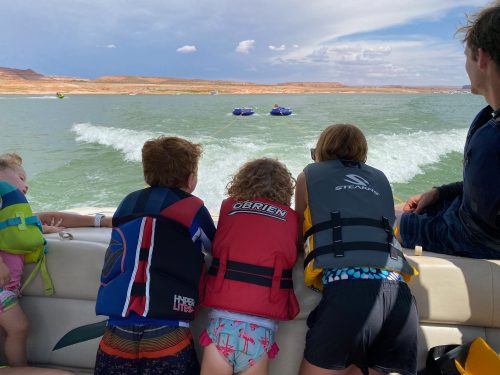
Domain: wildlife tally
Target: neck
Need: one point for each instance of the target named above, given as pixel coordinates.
(492, 94)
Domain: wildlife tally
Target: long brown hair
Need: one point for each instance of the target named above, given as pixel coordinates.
(341, 141)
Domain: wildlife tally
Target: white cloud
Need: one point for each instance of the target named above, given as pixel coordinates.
(414, 61)
(245, 46)
(186, 49)
(310, 34)
(280, 48)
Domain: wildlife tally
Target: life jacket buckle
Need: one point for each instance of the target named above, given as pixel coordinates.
(337, 241)
(18, 221)
(392, 251)
(337, 249)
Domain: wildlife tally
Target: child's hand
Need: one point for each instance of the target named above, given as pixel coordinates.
(4, 274)
(53, 226)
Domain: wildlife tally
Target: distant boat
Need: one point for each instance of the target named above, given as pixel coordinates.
(60, 95)
(214, 92)
(243, 111)
(132, 94)
(280, 111)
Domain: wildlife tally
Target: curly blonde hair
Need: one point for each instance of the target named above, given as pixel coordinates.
(168, 161)
(341, 141)
(10, 160)
(264, 178)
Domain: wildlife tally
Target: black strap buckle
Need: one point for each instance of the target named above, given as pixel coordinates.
(336, 234)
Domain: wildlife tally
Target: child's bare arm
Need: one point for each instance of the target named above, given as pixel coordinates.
(57, 221)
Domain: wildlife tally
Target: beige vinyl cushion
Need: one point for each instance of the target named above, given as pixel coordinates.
(458, 299)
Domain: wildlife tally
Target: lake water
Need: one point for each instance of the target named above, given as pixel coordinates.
(85, 150)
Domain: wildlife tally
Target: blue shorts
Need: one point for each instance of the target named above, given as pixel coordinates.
(440, 230)
(242, 344)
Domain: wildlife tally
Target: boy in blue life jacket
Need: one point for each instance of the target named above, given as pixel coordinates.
(154, 265)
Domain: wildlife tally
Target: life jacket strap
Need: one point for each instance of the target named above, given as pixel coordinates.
(352, 246)
(251, 273)
(336, 223)
(41, 265)
(390, 237)
(20, 221)
(351, 221)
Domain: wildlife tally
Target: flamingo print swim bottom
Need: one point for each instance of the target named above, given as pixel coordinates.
(242, 344)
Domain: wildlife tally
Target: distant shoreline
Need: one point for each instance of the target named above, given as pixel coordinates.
(104, 89)
(28, 82)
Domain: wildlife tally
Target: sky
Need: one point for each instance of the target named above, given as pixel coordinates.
(356, 42)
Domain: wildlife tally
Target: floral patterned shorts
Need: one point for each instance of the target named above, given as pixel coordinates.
(242, 344)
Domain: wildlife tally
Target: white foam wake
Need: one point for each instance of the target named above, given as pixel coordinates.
(44, 97)
(128, 142)
(402, 157)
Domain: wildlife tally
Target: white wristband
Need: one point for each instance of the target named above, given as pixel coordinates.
(97, 220)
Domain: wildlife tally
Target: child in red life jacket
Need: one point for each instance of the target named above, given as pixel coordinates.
(249, 285)
(153, 267)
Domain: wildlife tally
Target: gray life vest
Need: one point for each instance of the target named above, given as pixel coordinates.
(352, 212)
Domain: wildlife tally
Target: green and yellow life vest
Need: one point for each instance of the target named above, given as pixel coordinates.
(21, 233)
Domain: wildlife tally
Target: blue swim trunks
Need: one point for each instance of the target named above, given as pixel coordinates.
(440, 230)
(241, 343)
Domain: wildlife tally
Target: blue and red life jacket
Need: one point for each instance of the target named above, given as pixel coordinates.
(152, 267)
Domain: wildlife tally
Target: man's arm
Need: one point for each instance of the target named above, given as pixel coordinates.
(418, 203)
(450, 191)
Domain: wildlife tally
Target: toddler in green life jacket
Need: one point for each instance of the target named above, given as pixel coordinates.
(20, 245)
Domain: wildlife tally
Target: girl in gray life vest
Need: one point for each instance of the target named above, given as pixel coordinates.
(366, 322)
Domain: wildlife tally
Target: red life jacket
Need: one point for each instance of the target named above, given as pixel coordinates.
(254, 252)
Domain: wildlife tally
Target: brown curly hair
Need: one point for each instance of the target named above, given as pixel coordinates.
(168, 161)
(10, 160)
(264, 178)
(483, 31)
(341, 141)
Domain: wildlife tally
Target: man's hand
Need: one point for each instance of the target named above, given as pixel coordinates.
(418, 203)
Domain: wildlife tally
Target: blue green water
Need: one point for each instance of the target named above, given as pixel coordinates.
(85, 150)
